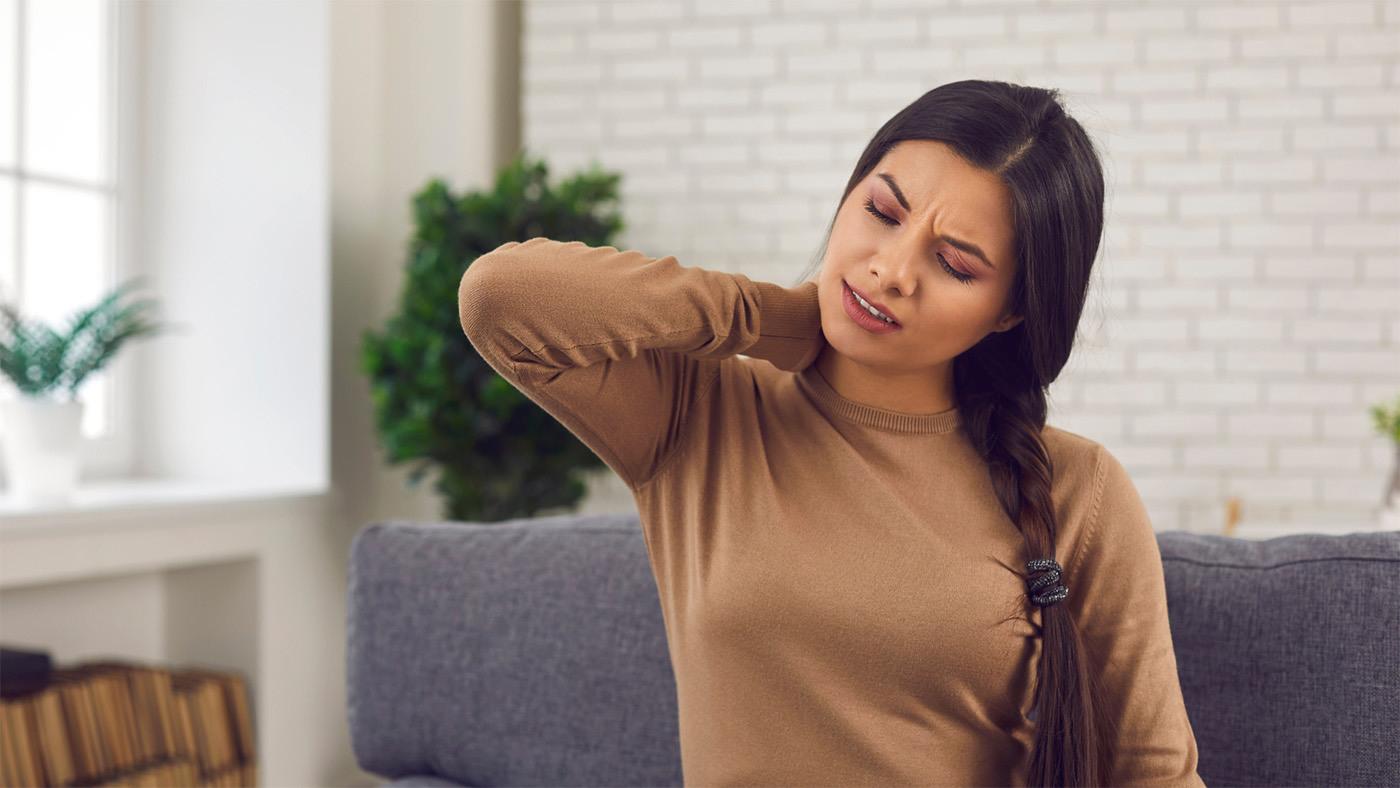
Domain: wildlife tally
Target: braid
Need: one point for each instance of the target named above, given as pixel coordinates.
(1004, 408)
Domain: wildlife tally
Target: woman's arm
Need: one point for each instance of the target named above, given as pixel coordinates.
(1118, 597)
(618, 346)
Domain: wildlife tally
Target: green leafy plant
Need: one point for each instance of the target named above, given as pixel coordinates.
(42, 362)
(1386, 420)
(436, 401)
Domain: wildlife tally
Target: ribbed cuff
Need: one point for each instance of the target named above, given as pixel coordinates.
(789, 326)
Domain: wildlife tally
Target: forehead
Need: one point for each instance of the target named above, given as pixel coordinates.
(968, 202)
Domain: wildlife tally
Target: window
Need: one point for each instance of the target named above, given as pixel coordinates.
(58, 165)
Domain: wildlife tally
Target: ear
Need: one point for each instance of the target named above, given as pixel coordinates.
(1008, 322)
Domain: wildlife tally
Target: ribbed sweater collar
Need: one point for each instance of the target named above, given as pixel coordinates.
(833, 404)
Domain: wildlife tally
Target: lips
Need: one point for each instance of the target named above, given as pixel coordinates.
(862, 317)
(883, 309)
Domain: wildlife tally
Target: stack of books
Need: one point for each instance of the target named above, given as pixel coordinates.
(125, 724)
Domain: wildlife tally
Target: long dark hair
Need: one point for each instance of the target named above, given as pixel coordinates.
(1023, 135)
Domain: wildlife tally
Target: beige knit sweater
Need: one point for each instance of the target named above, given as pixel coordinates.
(838, 582)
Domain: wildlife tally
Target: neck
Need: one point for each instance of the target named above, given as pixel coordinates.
(920, 392)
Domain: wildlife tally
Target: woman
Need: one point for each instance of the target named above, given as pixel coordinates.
(877, 564)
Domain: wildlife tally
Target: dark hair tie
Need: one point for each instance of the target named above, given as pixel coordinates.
(1050, 578)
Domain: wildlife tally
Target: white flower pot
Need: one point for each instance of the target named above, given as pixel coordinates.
(1390, 502)
(41, 442)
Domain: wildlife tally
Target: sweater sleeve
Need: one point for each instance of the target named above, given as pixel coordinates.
(619, 346)
(1118, 598)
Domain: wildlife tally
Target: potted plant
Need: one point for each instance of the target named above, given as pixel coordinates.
(436, 401)
(42, 426)
(1387, 422)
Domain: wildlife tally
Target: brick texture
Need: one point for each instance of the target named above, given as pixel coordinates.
(1245, 308)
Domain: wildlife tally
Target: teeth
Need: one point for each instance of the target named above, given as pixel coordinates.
(872, 310)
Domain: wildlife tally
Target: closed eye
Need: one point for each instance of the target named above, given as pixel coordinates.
(956, 274)
(870, 206)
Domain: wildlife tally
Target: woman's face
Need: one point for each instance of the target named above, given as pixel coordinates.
(922, 263)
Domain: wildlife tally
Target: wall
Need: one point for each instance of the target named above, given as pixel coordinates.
(1245, 306)
(416, 93)
(233, 237)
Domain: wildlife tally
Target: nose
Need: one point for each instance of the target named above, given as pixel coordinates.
(896, 266)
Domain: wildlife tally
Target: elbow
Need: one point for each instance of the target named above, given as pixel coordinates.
(479, 292)
(469, 308)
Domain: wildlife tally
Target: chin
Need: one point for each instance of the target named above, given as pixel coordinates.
(855, 344)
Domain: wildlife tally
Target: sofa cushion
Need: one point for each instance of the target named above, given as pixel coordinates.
(525, 652)
(1288, 650)
(423, 781)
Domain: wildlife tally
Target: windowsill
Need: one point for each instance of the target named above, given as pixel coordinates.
(98, 501)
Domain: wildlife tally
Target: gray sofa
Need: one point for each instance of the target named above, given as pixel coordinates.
(532, 652)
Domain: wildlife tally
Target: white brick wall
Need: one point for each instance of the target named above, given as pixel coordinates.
(1246, 307)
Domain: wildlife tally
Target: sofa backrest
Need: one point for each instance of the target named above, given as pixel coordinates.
(1288, 651)
(533, 652)
(525, 652)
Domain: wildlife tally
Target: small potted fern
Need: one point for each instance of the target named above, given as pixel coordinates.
(43, 426)
(1386, 420)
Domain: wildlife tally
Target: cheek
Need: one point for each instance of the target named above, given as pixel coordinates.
(847, 233)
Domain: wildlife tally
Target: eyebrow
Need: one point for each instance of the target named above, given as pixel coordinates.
(970, 248)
